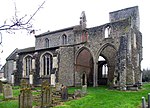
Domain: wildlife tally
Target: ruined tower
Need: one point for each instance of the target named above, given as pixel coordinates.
(71, 56)
(129, 54)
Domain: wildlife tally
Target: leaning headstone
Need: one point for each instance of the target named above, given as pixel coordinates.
(46, 95)
(143, 102)
(148, 100)
(7, 91)
(1, 86)
(84, 90)
(25, 97)
(64, 93)
(77, 93)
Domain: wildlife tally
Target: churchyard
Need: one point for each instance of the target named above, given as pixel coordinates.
(24, 96)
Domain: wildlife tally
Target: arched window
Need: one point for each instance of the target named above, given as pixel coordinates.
(107, 31)
(104, 71)
(46, 43)
(134, 40)
(103, 68)
(27, 66)
(64, 39)
(46, 64)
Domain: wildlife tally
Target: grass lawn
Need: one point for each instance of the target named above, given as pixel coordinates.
(99, 97)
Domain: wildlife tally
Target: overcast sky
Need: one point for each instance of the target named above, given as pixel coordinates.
(58, 14)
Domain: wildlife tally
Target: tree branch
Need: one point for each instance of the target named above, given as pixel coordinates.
(18, 23)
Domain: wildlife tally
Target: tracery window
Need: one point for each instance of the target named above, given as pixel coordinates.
(27, 66)
(104, 71)
(46, 64)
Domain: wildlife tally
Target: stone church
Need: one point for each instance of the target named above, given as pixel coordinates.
(108, 54)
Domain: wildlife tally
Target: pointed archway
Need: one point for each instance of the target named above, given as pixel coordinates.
(84, 66)
(106, 66)
(102, 71)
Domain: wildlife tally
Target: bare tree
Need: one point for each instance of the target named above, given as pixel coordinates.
(19, 23)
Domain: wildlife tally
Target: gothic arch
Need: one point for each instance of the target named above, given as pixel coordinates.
(107, 30)
(28, 55)
(50, 59)
(27, 65)
(64, 39)
(46, 43)
(84, 64)
(102, 48)
(108, 52)
(82, 48)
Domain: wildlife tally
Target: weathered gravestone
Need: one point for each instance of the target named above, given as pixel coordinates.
(1, 86)
(80, 93)
(25, 97)
(46, 94)
(53, 78)
(84, 90)
(58, 87)
(7, 91)
(143, 102)
(77, 93)
(64, 93)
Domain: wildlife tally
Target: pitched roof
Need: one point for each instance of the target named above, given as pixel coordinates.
(29, 49)
(12, 56)
(56, 31)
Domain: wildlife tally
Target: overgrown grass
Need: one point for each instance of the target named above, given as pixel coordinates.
(99, 97)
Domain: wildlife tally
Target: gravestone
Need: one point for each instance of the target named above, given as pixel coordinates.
(58, 86)
(80, 93)
(143, 102)
(1, 86)
(53, 77)
(77, 93)
(25, 97)
(46, 94)
(84, 90)
(64, 93)
(24, 84)
(148, 100)
(7, 91)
